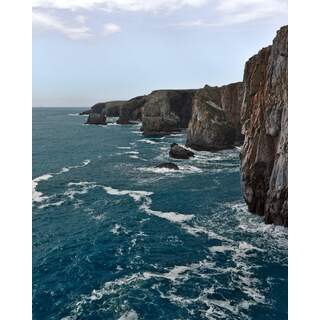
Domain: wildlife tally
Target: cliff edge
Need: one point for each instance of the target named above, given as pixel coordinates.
(264, 117)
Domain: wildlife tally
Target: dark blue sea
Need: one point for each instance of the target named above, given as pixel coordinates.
(115, 238)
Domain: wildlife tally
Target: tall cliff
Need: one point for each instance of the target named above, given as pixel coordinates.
(166, 111)
(264, 115)
(215, 122)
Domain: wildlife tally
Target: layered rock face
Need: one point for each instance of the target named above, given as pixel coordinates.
(167, 111)
(215, 122)
(264, 156)
(110, 108)
(132, 110)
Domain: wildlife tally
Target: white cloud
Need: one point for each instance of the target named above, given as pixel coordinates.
(126, 5)
(50, 22)
(81, 19)
(110, 28)
(230, 12)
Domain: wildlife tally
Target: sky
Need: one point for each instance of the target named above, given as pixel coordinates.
(87, 51)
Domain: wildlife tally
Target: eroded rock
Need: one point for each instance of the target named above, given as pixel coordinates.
(264, 156)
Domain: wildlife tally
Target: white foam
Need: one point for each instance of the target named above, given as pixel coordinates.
(134, 157)
(124, 148)
(135, 195)
(131, 152)
(148, 141)
(53, 204)
(158, 170)
(38, 196)
(130, 315)
(183, 169)
(222, 248)
(171, 216)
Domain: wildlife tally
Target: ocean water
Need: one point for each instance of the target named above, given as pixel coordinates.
(115, 238)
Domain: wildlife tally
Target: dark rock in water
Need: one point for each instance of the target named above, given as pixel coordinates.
(167, 111)
(180, 152)
(84, 113)
(131, 110)
(215, 122)
(168, 165)
(264, 115)
(96, 118)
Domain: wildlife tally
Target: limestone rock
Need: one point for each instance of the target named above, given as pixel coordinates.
(167, 111)
(215, 122)
(264, 116)
(132, 110)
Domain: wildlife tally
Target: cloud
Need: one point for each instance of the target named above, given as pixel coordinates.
(126, 5)
(51, 22)
(81, 19)
(231, 12)
(110, 28)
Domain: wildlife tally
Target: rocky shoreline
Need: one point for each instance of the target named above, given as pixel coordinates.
(252, 113)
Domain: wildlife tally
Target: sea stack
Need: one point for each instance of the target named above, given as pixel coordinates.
(264, 155)
(167, 111)
(97, 118)
(215, 122)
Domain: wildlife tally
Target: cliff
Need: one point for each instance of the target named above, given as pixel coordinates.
(264, 115)
(167, 111)
(131, 110)
(215, 122)
(109, 108)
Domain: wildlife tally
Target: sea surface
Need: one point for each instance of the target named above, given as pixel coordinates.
(116, 238)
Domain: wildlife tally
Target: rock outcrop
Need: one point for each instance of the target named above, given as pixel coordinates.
(166, 111)
(132, 110)
(97, 118)
(109, 108)
(168, 165)
(179, 152)
(215, 122)
(264, 156)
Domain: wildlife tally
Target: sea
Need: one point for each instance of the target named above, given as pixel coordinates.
(116, 238)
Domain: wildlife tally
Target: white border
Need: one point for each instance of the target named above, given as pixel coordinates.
(16, 217)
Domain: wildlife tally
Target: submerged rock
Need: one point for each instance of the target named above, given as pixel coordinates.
(96, 118)
(179, 152)
(264, 156)
(168, 165)
(167, 111)
(215, 122)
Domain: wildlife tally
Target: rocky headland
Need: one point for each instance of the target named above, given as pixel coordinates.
(253, 113)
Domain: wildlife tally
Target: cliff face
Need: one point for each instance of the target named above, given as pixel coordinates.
(166, 111)
(264, 156)
(132, 110)
(215, 122)
(110, 108)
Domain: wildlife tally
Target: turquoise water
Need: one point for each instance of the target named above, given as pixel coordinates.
(115, 238)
